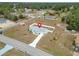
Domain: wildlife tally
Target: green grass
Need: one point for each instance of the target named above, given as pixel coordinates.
(2, 45)
(10, 34)
(14, 52)
(56, 52)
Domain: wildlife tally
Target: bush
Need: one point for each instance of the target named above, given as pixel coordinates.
(1, 12)
(21, 16)
(11, 17)
(74, 44)
(14, 18)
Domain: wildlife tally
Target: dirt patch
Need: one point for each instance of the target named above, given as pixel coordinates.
(57, 43)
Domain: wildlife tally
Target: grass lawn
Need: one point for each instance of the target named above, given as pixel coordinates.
(21, 33)
(15, 52)
(1, 45)
(57, 52)
(57, 43)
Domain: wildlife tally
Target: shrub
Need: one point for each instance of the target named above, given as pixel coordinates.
(21, 16)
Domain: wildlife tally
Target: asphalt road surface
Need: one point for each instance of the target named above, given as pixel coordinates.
(23, 46)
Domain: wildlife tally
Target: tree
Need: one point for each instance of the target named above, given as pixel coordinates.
(73, 20)
(11, 17)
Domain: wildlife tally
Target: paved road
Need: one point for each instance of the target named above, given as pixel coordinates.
(5, 49)
(23, 47)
